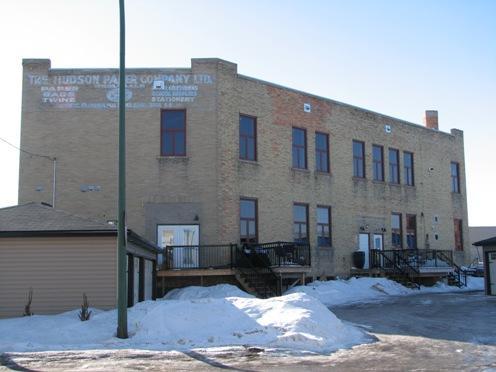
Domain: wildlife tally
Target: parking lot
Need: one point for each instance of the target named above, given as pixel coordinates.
(427, 332)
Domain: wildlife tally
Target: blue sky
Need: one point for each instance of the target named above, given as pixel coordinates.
(395, 57)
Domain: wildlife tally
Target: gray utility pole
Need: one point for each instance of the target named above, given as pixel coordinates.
(121, 228)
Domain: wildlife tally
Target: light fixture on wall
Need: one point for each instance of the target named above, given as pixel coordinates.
(196, 218)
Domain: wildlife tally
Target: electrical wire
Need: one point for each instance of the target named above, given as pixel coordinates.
(27, 152)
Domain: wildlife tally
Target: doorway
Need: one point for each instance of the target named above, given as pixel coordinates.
(364, 246)
(377, 243)
(186, 238)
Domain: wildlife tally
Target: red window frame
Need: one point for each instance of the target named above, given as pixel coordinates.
(458, 225)
(165, 130)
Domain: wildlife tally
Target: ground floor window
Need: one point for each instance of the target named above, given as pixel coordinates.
(458, 234)
(248, 221)
(396, 231)
(300, 223)
(411, 231)
(324, 226)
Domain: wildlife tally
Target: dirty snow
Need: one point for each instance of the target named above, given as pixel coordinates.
(359, 290)
(295, 321)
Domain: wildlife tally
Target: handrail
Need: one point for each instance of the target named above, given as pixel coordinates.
(458, 270)
(258, 271)
(405, 268)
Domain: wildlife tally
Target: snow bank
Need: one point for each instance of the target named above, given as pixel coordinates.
(359, 290)
(339, 292)
(216, 291)
(295, 321)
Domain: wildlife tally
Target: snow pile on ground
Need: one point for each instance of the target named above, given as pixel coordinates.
(339, 292)
(295, 321)
(359, 290)
(216, 291)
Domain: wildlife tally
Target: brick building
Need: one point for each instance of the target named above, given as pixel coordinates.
(218, 157)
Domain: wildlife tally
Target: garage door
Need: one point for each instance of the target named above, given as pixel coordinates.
(136, 280)
(491, 259)
(148, 279)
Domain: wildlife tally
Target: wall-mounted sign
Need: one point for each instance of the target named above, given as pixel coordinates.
(100, 91)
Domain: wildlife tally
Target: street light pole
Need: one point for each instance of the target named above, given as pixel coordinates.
(121, 228)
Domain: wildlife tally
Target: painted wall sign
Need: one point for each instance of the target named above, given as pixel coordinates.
(100, 91)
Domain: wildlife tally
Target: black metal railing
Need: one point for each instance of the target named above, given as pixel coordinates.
(199, 256)
(255, 269)
(458, 275)
(417, 259)
(394, 264)
(283, 254)
(274, 254)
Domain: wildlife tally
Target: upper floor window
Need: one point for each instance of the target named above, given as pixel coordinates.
(408, 167)
(411, 231)
(300, 223)
(299, 148)
(378, 162)
(247, 137)
(173, 133)
(458, 234)
(455, 177)
(322, 152)
(394, 166)
(396, 231)
(358, 159)
(248, 220)
(324, 226)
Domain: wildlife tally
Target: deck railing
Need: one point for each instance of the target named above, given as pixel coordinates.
(274, 254)
(180, 257)
(283, 254)
(419, 259)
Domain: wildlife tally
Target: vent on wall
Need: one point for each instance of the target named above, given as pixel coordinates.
(387, 128)
(307, 107)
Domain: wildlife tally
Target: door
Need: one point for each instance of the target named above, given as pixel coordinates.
(181, 235)
(363, 245)
(378, 244)
(148, 279)
(136, 279)
(491, 263)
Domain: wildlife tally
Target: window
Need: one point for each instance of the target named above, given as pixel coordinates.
(300, 224)
(458, 234)
(247, 138)
(455, 177)
(324, 226)
(394, 166)
(248, 222)
(299, 148)
(378, 162)
(408, 167)
(322, 152)
(358, 159)
(173, 133)
(411, 231)
(396, 231)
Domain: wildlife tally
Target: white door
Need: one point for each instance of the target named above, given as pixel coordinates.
(148, 279)
(378, 244)
(491, 259)
(181, 235)
(363, 245)
(136, 280)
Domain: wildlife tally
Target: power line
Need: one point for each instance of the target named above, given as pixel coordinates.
(27, 152)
